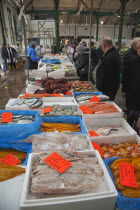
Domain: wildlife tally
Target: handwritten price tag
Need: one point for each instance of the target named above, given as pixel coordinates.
(85, 110)
(7, 117)
(47, 109)
(127, 175)
(10, 160)
(94, 99)
(57, 162)
(97, 147)
(93, 133)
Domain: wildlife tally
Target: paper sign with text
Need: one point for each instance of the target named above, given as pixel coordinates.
(10, 160)
(47, 109)
(85, 110)
(93, 133)
(94, 99)
(127, 175)
(57, 162)
(7, 117)
(97, 147)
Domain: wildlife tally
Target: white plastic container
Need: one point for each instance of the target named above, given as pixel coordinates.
(22, 106)
(103, 116)
(118, 122)
(49, 101)
(103, 198)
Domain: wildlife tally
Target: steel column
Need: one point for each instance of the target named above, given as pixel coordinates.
(90, 40)
(56, 16)
(97, 27)
(122, 13)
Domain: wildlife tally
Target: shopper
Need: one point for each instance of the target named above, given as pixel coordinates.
(54, 49)
(82, 63)
(4, 57)
(11, 57)
(71, 51)
(84, 43)
(131, 82)
(32, 58)
(108, 70)
(99, 53)
(64, 50)
(93, 60)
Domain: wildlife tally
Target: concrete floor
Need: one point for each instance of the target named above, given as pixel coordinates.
(12, 85)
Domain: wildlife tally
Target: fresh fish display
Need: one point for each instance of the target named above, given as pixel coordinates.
(58, 110)
(125, 190)
(30, 102)
(109, 131)
(101, 108)
(8, 172)
(19, 119)
(60, 127)
(81, 176)
(41, 143)
(128, 149)
(82, 86)
(84, 97)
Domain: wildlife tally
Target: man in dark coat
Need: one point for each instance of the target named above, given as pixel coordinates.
(93, 60)
(108, 70)
(131, 82)
(131, 54)
(4, 57)
(11, 57)
(82, 63)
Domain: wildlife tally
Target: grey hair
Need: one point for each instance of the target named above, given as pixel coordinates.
(107, 41)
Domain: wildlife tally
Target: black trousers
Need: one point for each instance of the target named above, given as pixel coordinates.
(32, 64)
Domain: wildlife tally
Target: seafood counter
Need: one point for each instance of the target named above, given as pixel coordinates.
(64, 145)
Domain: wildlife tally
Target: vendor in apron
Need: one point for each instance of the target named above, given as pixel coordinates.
(32, 58)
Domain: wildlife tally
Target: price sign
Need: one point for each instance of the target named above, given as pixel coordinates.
(94, 99)
(57, 162)
(127, 175)
(10, 160)
(93, 133)
(85, 110)
(68, 93)
(47, 109)
(97, 147)
(7, 117)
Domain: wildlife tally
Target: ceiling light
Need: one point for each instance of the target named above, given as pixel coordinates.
(102, 22)
(119, 16)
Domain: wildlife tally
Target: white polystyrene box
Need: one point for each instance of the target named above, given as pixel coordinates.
(38, 74)
(104, 198)
(49, 101)
(109, 115)
(107, 123)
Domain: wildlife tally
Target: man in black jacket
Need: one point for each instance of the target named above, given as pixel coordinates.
(131, 82)
(11, 57)
(131, 54)
(4, 56)
(108, 70)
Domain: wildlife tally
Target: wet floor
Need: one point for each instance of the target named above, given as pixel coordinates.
(14, 83)
(11, 86)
